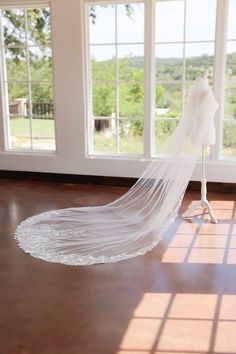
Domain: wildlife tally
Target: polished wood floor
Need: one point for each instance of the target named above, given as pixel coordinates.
(178, 299)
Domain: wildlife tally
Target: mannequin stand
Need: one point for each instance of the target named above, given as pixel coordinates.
(204, 203)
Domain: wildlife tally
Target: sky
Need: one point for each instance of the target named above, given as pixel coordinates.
(200, 26)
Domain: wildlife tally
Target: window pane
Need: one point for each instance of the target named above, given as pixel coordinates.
(43, 109)
(231, 20)
(230, 102)
(163, 129)
(130, 23)
(169, 62)
(131, 136)
(18, 98)
(200, 20)
(43, 133)
(14, 27)
(104, 100)
(199, 57)
(168, 100)
(103, 63)
(40, 64)
(231, 61)
(131, 62)
(229, 127)
(187, 87)
(16, 64)
(169, 21)
(41, 93)
(102, 24)
(117, 72)
(38, 27)
(131, 100)
(229, 139)
(28, 61)
(104, 136)
(20, 132)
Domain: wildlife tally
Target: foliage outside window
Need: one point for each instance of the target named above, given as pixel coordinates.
(116, 46)
(229, 124)
(27, 78)
(184, 49)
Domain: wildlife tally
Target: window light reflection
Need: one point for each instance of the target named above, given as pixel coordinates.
(181, 323)
(198, 241)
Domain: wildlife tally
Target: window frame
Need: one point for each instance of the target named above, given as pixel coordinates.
(28, 81)
(89, 80)
(227, 40)
(183, 82)
(219, 53)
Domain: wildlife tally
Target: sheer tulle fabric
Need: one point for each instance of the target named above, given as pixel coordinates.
(134, 223)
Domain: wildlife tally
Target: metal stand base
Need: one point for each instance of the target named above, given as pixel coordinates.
(204, 203)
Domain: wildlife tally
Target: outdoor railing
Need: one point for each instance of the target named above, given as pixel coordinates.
(22, 108)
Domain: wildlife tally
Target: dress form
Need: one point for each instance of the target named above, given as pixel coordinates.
(204, 134)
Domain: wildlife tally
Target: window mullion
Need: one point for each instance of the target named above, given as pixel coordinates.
(184, 59)
(90, 123)
(117, 116)
(219, 72)
(149, 78)
(28, 79)
(12, 4)
(4, 92)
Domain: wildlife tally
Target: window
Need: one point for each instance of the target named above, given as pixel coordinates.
(116, 46)
(229, 136)
(27, 79)
(122, 71)
(184, 49)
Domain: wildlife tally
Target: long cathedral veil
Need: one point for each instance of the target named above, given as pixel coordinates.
(133, 224)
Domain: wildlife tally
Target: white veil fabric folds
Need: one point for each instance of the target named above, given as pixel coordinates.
(133, 224)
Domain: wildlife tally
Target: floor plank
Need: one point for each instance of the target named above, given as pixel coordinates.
(178, 299)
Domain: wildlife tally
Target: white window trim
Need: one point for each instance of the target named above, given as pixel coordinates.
(149, 77)
(8, 4)
(6, 141)
(219, 78)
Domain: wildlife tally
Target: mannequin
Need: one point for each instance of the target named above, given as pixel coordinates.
(204, 130)
(204, 134)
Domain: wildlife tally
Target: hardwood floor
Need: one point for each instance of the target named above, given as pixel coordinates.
(178, 299)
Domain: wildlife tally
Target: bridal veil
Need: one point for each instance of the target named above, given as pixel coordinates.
(133, 224)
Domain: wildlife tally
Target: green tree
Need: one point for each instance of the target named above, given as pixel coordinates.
(104, 100)
(38, 37)
(160, 96)
(14, 29)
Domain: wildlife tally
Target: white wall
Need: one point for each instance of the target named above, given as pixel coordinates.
(70, 111)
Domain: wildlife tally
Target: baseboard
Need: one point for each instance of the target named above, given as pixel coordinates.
(68, 178)
(104, 180)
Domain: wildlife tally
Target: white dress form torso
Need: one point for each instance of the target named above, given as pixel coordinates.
(204, 131)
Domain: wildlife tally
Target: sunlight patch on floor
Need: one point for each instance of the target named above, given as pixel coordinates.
(182, 324)
(199, 241)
